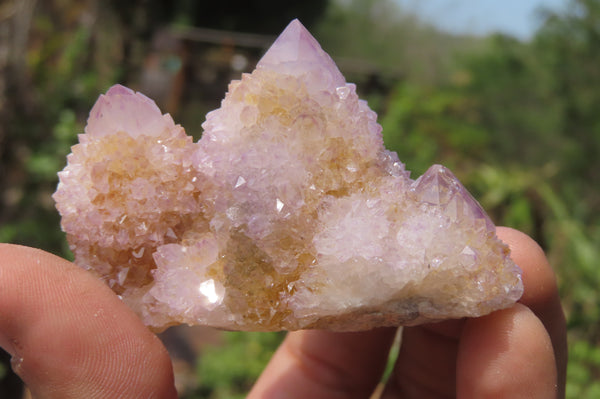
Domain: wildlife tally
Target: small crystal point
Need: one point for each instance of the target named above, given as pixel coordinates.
(119, 90)
(439, 186)
(288, 213)
(123, 110)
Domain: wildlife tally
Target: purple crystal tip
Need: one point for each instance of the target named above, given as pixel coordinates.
(119, 90)
(296, 45)
(124, 110)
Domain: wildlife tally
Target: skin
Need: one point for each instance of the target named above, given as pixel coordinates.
(77, 339)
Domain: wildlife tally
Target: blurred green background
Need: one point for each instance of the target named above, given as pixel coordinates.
(517, 121)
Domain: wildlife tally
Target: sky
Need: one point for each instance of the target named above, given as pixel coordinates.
(514, 17)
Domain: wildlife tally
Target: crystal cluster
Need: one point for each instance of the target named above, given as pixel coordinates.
(289, 213)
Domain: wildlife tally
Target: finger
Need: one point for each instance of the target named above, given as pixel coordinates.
(541, 293)
(71, 337)
(507, 354)
(321, 364)
(426, 365)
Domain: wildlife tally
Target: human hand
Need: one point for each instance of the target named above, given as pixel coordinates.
(77, 339)
(513, 353)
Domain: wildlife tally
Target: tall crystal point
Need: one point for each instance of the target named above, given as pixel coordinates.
(289, 213)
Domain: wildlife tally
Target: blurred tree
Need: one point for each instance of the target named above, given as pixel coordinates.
(255, 16)
(376, 36)
(509, 88)
(426, 125)
(569, 45)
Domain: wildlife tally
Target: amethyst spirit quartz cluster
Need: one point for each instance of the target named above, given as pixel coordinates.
(288, 214)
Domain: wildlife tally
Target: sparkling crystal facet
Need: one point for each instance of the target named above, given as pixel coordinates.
(289, 213)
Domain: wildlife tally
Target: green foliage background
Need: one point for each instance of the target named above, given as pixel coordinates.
(518, 122)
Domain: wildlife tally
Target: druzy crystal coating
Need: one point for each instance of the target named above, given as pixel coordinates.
(289, 213)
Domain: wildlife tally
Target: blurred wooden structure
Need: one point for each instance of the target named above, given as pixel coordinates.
(191, 65)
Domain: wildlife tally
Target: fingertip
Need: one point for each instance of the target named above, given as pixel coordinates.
(538, 277)
(507, 354)
(541, 292)
(71, 334)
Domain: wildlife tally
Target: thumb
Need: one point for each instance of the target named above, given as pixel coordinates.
(71, 337)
